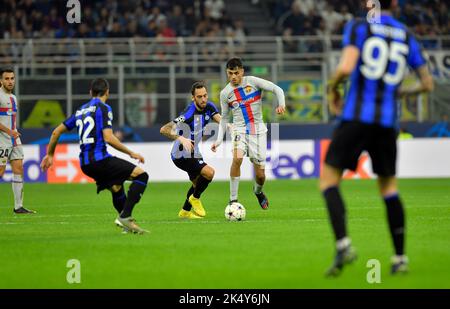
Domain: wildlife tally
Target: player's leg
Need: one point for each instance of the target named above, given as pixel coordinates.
(187, 206)
(329, 185)
(202, 182)
(343, 153)
(396, 219)
(383, 152)
(257, 153)
(118, 197)
(139, 183)
(17, 183)
(260, 178)
(240, 147)
(185, 212)
(235, 173)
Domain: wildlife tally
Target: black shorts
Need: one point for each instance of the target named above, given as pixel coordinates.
(352, 138)
(108, 172)
(192, 166)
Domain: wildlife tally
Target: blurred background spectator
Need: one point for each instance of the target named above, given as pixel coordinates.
(148, 18)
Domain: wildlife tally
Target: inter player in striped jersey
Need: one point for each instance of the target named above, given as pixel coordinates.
(94, 123)
(185, 151)
(243, 97)
(375, 56)
(10, 145)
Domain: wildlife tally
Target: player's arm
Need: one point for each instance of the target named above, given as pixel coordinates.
(169, 130)
(114, 142)
(47, 161)
(275, 89)
(347, 64)
(222, 122)
(426, 83)
(12, 133)
(416, 60)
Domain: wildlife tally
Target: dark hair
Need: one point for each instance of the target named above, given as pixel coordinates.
(234, 63)
(385, 4)
(99, 86)
(197, 85)
(5, 70)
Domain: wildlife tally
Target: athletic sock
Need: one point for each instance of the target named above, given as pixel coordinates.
(336, 212)
(135, 192)
(187, 206)
(200, 186)
(234, 188)
(396, 219)
(119, 199)
(17, 187)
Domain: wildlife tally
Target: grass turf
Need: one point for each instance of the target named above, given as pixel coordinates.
(288, 246)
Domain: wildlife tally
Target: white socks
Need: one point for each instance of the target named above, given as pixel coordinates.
(343, 243)
(257, 188)
(234, 188)
(17, 186)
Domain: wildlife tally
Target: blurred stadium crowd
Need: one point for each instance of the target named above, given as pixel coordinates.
(115, 19)
(318, 17)
(204, 18)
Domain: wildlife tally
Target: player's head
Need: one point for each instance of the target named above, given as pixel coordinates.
(199, 94)
(235, 71)
(386, 5)
(7, 79)
(99, 88)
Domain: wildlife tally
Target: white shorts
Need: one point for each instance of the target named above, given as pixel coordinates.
(10, 153)
(253, 146)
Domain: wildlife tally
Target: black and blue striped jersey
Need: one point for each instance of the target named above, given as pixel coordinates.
(91, 119)
(386, 48)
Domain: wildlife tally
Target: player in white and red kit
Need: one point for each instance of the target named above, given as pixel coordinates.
(10, 144)
(242, 96)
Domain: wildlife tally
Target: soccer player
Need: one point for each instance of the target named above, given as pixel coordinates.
(10, 145)
(242, 96)
(374, 57)
(94, 123)
(185, 153)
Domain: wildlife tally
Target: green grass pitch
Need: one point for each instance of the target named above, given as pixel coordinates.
(288, 246)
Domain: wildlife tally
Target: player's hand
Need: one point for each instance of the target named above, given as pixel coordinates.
(336, 102)
(46, 163)
(187, 143)
(280, 110)
(138, 157)
(214, 147)
(14, 134)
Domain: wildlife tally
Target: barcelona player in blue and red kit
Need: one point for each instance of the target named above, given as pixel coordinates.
(375, 57)
(93, 121)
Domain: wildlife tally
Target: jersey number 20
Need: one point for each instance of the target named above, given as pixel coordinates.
(376, 67)
(84, 129)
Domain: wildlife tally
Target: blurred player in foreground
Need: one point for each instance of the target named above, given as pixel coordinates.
(374, 57)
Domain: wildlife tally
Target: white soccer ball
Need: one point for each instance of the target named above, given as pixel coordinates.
(235, 212)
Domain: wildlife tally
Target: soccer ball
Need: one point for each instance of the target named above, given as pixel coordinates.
(235, 212)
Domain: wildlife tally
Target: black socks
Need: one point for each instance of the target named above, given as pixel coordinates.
(135, 192)
(336, 211)
(396, 219)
